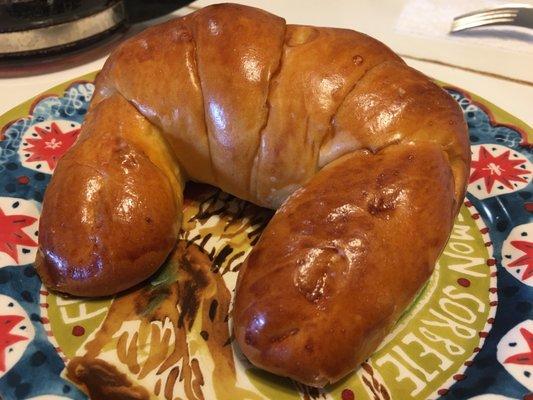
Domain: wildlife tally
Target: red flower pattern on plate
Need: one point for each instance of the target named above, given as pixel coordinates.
(523, 358)
(51, 144)
(526, 260)
(12, 235)
(7, 339)
(497, 169)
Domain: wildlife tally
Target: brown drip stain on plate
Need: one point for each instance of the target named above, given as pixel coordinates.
(103, 381)
(186, 294)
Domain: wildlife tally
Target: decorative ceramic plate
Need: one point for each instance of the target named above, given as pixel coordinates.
(468, 335)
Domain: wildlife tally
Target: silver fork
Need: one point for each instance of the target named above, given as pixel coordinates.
(514, 14)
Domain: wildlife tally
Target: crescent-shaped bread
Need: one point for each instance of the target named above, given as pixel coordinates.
(365, 159)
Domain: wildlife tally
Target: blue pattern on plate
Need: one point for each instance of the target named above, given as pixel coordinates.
(37, 372)
(501, 214)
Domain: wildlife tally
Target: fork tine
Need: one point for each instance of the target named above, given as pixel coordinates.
(484, 17)
(483, 20)
(459, 26)
(487, 17)
(482, 23)
(479, 17)
(488, 11)
(519, 14)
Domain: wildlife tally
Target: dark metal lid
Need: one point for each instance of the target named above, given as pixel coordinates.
(62, 26)
(21, 15)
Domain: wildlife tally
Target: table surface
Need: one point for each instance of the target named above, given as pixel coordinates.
(498, 75)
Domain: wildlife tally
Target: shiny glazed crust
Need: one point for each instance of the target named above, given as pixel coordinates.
(365, 158)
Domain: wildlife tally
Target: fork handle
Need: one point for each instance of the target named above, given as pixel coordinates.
(524, 18)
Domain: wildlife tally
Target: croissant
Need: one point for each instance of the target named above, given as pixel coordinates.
(364, 158)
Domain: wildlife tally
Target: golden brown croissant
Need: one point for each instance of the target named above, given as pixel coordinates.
(366, 157)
